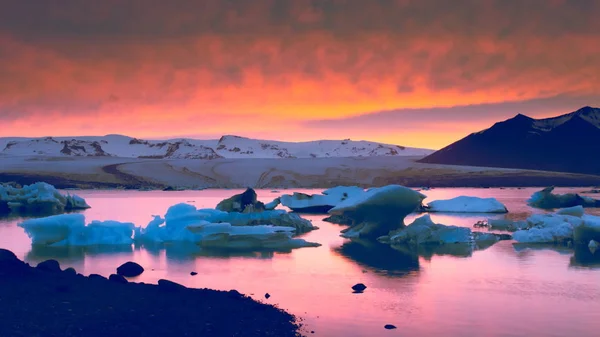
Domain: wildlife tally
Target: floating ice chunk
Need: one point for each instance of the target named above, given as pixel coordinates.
(273, 204)
(224, 235)
(319, 203)
(38, 198)
(577, 211)
(545, 199)
(559, 228)
(558, 233)
(231, 230)
(424, 231)
(70, 230)
(507, 225)
(379, 210)
(465, 204)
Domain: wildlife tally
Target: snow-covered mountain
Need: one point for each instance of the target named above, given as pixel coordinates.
(225, 147)
(567, 143)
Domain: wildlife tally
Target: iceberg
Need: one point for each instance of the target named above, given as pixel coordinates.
(560, 228)
(319, 203)
(38, 198)
(71, 230)
(423, 231)
(208, 228)
(465, 204)
(507, 225)
(183, 223)
(545, 199)
(378, 211)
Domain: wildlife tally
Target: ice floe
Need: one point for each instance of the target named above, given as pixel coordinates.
(319, 203)
(560, 227)
(182, 223)
(38, 198)
(378, 211)
(217, 229)
(545, 199)
(466, 204)
(71, 230)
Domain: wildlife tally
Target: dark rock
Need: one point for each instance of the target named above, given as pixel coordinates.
(117, 278)
(97, 277)
(389, 326)
(130, 269)
(170, 285)
(235, 294)
(49, 265)
(7, 256)
(9, 264)
(359, 287)
(267, 295)
(63, 288)
(70, 271)
(243, 202)
(193, 273)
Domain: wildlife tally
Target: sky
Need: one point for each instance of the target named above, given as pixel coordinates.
(420, 73)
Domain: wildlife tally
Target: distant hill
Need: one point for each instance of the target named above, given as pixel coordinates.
(567, 143)
(225, 147)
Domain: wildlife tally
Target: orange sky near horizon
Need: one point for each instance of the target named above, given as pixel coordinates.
(420, 74)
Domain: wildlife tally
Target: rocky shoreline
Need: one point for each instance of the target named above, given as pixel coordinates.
(47, 301)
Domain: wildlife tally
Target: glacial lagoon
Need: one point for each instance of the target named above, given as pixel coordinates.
(504, 290)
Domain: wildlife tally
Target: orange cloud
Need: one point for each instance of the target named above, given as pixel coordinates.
(211, 67)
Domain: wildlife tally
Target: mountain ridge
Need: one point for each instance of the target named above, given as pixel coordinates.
(565, 143)
(228, 146)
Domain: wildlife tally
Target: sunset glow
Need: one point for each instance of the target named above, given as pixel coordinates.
(293, 70)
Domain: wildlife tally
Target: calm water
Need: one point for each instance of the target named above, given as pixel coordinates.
(500, 291)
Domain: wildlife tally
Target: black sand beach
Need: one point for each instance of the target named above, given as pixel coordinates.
(36, 302)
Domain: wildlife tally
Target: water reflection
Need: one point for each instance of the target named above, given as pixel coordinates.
(378, 257)
(581, 255)
(584, 257)
(182, 251)
(74, 253)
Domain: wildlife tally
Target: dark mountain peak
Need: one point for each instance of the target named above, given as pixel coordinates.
(563, 143)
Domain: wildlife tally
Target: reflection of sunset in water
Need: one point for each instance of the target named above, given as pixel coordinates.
(499, 291)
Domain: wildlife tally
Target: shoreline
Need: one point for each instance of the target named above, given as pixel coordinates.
(111, 173)
(38, 301)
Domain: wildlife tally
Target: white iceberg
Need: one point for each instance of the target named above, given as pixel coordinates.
(378, 211)
(184, 223)
(545, 199)
(560, 228)
(71, 230)
(319, 203)
(38, 198)
(466, 204)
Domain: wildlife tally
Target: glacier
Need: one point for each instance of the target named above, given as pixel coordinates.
(38, 198)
